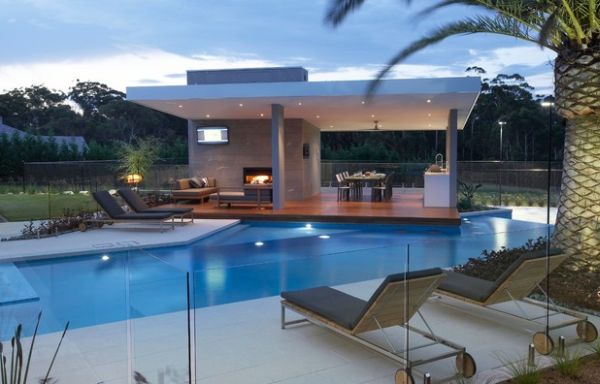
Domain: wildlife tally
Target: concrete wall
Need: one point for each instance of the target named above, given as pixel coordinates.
(250, 146)
(311, 135)
(247, 75)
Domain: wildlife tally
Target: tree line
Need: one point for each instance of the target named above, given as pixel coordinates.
(90, 109)
(504, 98)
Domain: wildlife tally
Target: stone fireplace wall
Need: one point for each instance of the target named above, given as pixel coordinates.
(250, 146)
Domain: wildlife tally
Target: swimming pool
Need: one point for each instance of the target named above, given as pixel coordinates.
(248, 261)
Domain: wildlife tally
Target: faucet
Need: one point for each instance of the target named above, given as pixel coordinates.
(439, 160)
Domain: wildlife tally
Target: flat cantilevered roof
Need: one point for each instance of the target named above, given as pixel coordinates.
(406, 104)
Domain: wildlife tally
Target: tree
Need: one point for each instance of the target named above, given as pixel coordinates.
(571, 28)
(91, 95)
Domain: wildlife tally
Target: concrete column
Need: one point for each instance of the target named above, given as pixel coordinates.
(278, 155)
(452, 154)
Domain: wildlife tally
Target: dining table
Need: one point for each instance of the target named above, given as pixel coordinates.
(361, 180)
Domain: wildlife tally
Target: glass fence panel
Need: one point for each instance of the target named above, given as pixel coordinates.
(238, 316)
(158, 300)
(573, 286)
(88, 293)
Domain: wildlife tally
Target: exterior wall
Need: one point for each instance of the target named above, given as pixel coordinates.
(247, 75)
(250, 146)
(311, 135)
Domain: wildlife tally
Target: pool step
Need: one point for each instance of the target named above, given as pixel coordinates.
(14, 287)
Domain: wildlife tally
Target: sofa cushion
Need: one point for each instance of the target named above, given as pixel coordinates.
(211, 182)
(183, 184)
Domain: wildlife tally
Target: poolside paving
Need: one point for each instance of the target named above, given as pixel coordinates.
(243, 343)
(109, 238)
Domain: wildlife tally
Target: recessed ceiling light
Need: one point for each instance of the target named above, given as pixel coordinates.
(429, 125)
(105, 258)
(180, 106)
(241, 105)
(331, 126)
(259, 243)
(299, 103)
(324, 237)
(362, 102)
(372, 115)
(429, 115)
(429, 100)
(262, 115)
(318, 117)
(207, 116)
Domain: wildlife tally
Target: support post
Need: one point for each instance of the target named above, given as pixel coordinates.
(278, 155)
(451, 154)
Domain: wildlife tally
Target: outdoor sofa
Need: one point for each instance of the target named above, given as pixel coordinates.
(393, 304)
(194, 188)
(514, 285)
(137, 204)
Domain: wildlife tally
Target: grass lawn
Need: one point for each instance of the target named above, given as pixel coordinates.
(35, 207)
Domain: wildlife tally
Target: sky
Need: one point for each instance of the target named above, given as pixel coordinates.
(153, 42)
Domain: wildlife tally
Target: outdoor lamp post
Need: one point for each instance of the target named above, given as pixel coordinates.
(501, 124)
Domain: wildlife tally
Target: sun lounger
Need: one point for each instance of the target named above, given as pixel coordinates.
(394, 303)
(514, 285)
(136, 203)
(116, 214)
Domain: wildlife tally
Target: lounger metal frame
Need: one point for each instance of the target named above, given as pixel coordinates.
(161, 223)
(399, 355)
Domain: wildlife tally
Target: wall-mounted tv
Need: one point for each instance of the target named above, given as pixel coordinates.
(213, 135)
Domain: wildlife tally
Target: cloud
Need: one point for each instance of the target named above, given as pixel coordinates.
(401, 71)
(118, 70)
(497, 60)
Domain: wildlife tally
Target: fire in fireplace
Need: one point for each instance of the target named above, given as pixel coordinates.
(258, 176)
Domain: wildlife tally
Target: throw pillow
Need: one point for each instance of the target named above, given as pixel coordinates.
(196, 183)
(205, 182)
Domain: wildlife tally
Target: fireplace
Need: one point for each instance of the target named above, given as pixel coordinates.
(258, 176)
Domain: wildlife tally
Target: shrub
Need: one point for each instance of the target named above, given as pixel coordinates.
(521, 371)
(492, 263)
(567, 363)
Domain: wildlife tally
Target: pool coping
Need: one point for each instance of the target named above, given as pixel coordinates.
(33, 252)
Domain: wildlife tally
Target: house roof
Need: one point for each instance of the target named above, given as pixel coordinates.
(79, 141)
(406, 104)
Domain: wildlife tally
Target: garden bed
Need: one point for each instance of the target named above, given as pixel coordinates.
(587, 372)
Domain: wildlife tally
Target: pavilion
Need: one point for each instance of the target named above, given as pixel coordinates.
(274, 117)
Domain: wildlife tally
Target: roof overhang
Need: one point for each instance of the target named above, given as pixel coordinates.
(407, 104)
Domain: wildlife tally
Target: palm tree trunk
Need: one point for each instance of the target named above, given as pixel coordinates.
(577, 231)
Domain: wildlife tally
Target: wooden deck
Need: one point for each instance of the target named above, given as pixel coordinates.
(404, 208)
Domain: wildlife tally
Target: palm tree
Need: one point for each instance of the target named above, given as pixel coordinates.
(571, 28)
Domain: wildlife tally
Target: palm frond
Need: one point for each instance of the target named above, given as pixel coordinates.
(339, 9)
(482, 24)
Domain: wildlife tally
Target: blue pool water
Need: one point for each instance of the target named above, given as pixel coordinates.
(229, 266)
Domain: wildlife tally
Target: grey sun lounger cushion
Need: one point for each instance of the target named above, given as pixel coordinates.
(342, 308)
(114, 210)
(137, 204)
(479, 289)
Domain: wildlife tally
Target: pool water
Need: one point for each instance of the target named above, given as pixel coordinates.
(248, 261)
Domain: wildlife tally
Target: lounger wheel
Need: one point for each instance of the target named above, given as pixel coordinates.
(543, 343)
(465, 365)
(403, 376)
(587, 331)
(82, 227)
